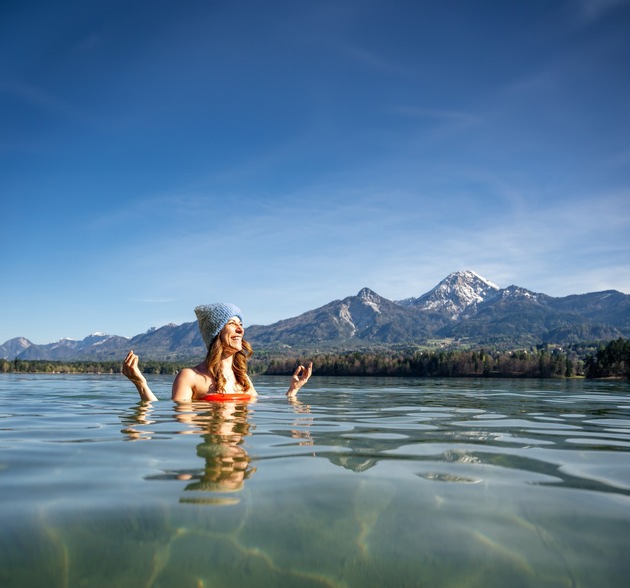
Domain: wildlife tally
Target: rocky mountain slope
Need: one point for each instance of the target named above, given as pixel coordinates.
(464, 307)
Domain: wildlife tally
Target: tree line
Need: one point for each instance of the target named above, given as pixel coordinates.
(41, 366)
(479, 363)
(611, 360)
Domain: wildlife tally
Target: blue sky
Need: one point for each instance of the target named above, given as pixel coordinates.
(156, 155)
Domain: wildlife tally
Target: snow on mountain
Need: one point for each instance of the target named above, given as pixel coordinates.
(13, 347)
(456, 295)
(519, 293)
(96, 339)
(65, 342)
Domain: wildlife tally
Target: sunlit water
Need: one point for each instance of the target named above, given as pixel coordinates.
(366, 482)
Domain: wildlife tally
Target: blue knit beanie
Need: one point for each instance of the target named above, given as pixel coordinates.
(213, 317)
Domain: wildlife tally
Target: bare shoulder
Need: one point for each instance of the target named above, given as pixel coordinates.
(186, 382)
(187, 375)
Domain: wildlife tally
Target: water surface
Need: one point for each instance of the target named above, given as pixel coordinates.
(364, 482)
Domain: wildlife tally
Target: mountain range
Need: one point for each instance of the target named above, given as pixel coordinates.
(464, 308)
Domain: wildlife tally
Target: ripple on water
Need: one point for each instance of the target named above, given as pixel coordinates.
(443, 483)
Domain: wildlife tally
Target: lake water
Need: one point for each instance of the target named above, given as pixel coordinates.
(366, 482)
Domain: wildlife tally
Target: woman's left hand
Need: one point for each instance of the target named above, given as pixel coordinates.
(299, 378)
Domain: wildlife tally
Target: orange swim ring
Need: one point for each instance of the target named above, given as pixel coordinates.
(227, 398)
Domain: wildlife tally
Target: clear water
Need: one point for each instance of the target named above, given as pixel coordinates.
(367, 482)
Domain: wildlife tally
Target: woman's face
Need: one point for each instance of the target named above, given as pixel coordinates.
(232, 335)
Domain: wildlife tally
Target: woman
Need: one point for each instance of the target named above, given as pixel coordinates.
(223, 374)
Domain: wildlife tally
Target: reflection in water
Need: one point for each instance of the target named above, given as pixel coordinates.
(137, 420)
(301, 426)
(223, 427)
(227, 464)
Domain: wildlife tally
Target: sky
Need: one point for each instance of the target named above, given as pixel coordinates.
(156, 155)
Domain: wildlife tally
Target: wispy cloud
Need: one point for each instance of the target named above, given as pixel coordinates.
(377, 62)
(538, 82)
(620, 159)
(527, 247)
(443, 123)
(41, 99)
(589, 11)
(464, 118)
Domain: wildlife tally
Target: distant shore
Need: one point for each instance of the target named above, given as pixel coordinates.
(609, 362)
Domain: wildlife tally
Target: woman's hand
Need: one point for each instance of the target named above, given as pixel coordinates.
(299, 378)
(131, 370)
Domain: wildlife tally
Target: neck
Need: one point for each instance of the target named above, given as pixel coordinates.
(227, 360)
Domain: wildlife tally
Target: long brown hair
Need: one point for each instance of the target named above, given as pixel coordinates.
(239, 365)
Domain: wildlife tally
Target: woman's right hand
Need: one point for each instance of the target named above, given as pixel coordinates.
(131, 370)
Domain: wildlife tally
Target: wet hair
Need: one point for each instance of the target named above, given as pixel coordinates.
(239, 365)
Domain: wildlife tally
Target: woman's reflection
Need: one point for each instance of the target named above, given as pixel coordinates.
(227, 463)
(223, 427)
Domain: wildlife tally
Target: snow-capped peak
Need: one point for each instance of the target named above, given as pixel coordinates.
(473, 276)
(467, 286)
(455, 294)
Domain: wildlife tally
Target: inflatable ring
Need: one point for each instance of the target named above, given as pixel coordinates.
(227, 398)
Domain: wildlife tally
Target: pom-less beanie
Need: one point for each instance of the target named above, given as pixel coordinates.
(213, 317)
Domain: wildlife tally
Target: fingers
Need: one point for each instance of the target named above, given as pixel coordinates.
(130, 362)
(306, 372)
(303, 373)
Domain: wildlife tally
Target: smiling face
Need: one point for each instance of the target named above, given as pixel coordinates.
(232, 335)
